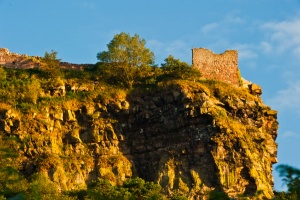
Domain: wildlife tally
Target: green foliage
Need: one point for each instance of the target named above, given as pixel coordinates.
(178, 196)
(51, 65)
(126, 63)
(20, 91)
(132, 189)
(291, 177)
(284, 195)
(12, 182)
(174, 68)
(218, 195)
(222, 90)
(78, 75)
(128, 51)
(143, 190)
(127, 59)
(102, 189)
(41, 187)
(2, 74)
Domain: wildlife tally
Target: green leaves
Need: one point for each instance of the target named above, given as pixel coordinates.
(178, 69)
(135, 188)
(127, 51)
(125, 57)
(291, 177)
(2, 74)
(51, 65)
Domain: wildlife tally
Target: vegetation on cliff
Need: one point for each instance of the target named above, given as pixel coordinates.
(28, 94)
(127, 58)
(90, 133)
(291, 177)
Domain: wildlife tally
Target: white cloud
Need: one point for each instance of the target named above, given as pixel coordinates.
(297, 51)
(206, 29)
(266, 47)
(178, 48)
(289, 134)
(284, 35)
(246, 51)
(155, 43)
(287, 99)
(235, 19)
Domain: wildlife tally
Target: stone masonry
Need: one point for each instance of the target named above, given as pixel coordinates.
(223, 67)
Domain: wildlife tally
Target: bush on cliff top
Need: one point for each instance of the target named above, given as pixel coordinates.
(176, 69)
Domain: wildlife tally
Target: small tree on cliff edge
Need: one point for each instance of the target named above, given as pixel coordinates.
(126, 57)
(51, 65)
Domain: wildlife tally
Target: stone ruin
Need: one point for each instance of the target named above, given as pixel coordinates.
(222, 67)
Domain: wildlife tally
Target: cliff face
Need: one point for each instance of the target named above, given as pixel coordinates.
(192, 137)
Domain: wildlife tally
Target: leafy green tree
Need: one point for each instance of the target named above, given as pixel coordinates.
(178, 69)
(291, 177)
(51, 65)
(127, 58)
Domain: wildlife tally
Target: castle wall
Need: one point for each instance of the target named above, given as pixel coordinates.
(223, 67)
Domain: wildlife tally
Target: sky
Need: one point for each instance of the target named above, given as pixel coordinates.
(266, 34)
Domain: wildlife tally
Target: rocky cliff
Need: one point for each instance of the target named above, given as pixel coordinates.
(190, 137)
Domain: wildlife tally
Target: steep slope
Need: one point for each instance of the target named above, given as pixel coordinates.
(196, 139)
(191, 137)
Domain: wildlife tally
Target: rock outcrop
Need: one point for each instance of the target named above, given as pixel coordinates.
(191, 137)
(23, 61)
(14, 60)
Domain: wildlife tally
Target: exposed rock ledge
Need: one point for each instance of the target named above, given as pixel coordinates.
(189, 137)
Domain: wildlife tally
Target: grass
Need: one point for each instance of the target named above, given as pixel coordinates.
(25, 90)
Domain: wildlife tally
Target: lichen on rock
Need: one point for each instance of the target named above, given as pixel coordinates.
(191, 137)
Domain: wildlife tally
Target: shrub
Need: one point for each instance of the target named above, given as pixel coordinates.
(174, 68)
(2, 74)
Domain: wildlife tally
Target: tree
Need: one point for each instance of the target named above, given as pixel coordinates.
(51, 65)
(291, 177)
(178, 69)
(126, 58)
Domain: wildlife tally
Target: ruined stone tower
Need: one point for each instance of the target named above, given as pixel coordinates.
(223, 67)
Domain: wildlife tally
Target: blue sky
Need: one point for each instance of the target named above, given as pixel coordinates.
(265, 32)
